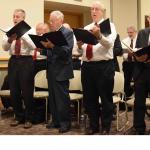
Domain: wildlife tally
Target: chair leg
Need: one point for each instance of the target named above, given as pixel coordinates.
(46, 109)
(78, 113)
(117, 113)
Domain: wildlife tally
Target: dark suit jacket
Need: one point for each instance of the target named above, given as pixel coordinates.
(61, 58)
(117, 50)
(142, 41)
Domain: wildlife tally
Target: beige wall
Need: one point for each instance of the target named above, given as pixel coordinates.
(34, 10)
(124, 13)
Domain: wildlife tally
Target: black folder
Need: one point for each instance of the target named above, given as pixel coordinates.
(85, 36)
(57, 38)
(105, 27)
(20, 29)
(140, 52)
(143, 51)
(36, 40)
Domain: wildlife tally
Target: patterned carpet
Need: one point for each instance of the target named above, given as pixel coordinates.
(40, 129)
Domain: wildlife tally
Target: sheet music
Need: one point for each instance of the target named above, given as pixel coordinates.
(128, 47)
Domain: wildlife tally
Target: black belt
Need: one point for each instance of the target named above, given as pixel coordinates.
(97, 62)
(21, 56)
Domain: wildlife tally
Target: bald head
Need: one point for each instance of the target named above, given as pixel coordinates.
(42, 28)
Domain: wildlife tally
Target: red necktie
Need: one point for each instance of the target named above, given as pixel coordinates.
(17, 47)
(35, 54)
(89, 51)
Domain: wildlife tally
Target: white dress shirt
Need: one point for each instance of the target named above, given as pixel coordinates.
(26, 44)
(104, 49)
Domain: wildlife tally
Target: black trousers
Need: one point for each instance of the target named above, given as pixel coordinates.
(76, 64)
(97, 81)
(59, 100)
(128, 68)
(21, 82)
(142, 88)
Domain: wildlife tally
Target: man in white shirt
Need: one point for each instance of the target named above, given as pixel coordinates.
(97, 73)
(128, 63)
(20, 73)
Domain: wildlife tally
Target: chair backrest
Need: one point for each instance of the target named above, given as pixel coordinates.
(40, 80)
(118, 82)
(75, 83)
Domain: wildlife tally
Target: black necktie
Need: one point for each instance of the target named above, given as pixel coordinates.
(130, 56)
(131, 44)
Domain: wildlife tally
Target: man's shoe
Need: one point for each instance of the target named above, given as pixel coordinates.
(15, 123)
(105, 132)
(27, 125)
(91, 131)
(64, 129)
(52, 125)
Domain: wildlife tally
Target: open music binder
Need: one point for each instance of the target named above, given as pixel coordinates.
(56, 37)
(143, 51)
(20, 29)
(139, 52)
(85, 36)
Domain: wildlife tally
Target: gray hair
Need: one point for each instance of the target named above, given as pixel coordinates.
(132, 28)
(100, 4)
(22, 11)
(58, 14)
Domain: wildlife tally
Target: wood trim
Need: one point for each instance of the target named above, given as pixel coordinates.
(3, 66)
(4, 58)
(146, 22)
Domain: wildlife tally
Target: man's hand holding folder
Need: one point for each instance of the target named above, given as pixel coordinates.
(47, 44)
(12, 38)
